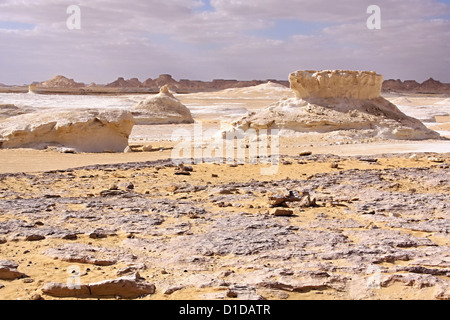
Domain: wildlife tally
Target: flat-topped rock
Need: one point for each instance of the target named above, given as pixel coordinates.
(345, 103)
(336, 84)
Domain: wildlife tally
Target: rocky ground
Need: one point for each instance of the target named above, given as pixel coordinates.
(323, 227)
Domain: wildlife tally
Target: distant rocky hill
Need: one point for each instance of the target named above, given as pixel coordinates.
(185, 85)
(412, 86)
(430, 86)
(61, 82)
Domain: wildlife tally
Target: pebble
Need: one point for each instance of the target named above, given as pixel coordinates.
(305, 153)
(281, 212)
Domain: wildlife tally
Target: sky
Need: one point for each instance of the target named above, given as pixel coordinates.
(221, 39)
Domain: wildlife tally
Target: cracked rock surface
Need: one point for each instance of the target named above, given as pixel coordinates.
(357, 230)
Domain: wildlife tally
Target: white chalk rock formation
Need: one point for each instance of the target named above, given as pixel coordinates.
(81, 130)
(336, 84)
(329, 101)
(162, 108)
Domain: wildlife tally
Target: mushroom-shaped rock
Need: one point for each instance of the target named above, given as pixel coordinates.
(162, 108)
(347, 102)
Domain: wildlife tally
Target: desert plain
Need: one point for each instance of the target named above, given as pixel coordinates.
(343, 216)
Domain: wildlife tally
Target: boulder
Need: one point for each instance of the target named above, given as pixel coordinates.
(162, 108)
(347, 102)
(82, 130)
(8, 270)
(128, 287)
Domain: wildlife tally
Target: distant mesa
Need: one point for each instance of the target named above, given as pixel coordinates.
(150, 85)
(186, 85)
(429, 86)
(345, 103)
(192, 86)
(122, 83)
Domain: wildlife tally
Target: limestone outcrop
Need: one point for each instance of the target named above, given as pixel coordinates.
(336, 84)
(82, 130)
(128, 287)
(342, 101)
(162, 108)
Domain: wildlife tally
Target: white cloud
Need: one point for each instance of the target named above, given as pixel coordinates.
(145, 38)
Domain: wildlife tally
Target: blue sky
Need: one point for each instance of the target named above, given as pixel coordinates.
(209, 39)
(283, 29)
(12, 25)
(205, 7)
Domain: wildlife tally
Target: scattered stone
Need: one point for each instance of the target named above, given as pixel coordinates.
(305, 153)
(131, 269)
(284, 198)
(61, 149)
(34, 237)
(8, 270)
(98, 234)
(172, 188)
(370, 160)
(281, 212)
(81, 253)
(171, 290)
(442, 293)
(182, 173)
(227, 190)
(243, 292)
(293, 285)
(435, 159)
(70, 236)
(36, 297)
(147, 148)
(334, 165)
